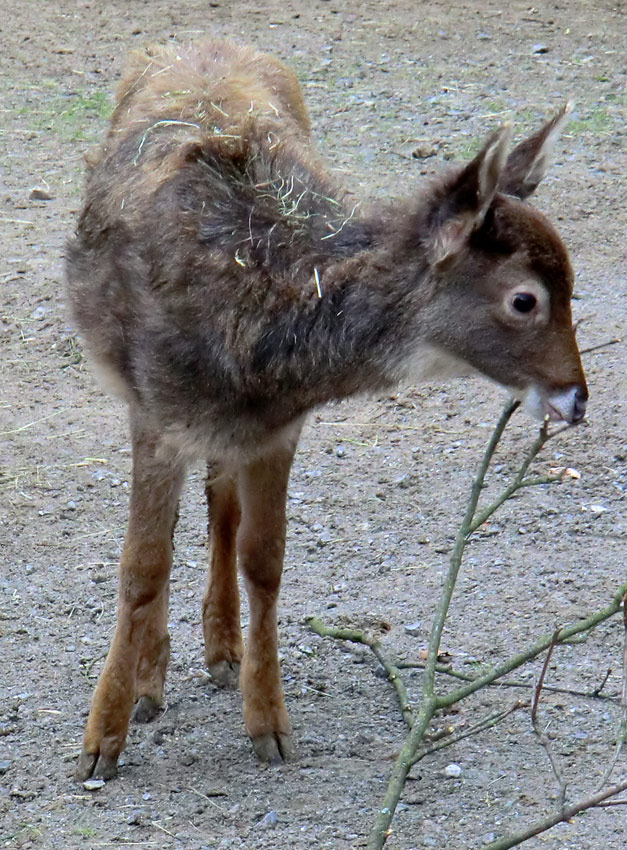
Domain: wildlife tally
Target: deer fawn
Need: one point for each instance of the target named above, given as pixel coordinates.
(225, 287)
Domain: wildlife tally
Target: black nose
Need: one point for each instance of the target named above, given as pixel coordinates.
(579, 407)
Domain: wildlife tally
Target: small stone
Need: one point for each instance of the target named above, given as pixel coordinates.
(38, 193)
(340, 451)
(539, 48)
(39, 312)
(18, 794)
(424, 151)
(489, 838)
(452, 771)
(189, 758)
(414, 628)
(269, 821)
(4, 766)
(93, 784)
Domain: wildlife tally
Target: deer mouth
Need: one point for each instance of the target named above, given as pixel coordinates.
(554, 414)
(564, 406)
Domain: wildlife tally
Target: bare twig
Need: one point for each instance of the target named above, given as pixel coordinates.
(487, 723)
(621, 737)
(606, 804)
(429, 702)
(599, 688)
(565, 635)
(393, 672)
(447, 670)
(541, 733)
(599, 346)
(559, 817)
(542, 676)
(520, 481)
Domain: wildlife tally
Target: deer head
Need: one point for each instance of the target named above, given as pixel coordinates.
(503, 277)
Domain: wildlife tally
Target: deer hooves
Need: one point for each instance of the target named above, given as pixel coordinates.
(146, 709)
(274, 748)
(225, 674)
(96, 766)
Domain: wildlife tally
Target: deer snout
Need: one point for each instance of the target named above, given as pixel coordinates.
(568, 405)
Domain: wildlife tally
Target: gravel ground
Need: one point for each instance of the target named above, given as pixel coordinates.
(396, 90)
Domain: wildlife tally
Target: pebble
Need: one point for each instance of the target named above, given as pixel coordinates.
(424, 151)
(413, 628)
(38, 193)
(540, 48)
(452, 771)
(4, 766)
(270, 820)
(93, 784)
(39, 312)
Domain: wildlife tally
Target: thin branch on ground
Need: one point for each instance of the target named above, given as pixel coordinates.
(447, 670)
(621, 738)
(599, 688)
(564, 636)
(429, 703)
(559, 817)
(520, 481)
(393, 673)
(483, 725)
(600, 346)
(541, 733)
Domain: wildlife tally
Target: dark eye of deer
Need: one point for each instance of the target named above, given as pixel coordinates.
(524, 302)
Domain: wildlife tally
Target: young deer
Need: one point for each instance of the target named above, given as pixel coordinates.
(226, 287)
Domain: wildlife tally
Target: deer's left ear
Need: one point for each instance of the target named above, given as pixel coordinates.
(527, 163)
(467, 198)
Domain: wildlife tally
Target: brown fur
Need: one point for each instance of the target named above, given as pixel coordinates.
(226, 286)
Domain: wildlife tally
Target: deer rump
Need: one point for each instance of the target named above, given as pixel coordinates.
(225, 285)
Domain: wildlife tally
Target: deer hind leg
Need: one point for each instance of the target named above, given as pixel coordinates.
(262, 488)
(137, 660)
(224, 646)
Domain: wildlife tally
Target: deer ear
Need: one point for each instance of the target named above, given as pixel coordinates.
(527, 163)
(468, 198)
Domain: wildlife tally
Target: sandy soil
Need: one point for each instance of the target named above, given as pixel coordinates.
(378, 485)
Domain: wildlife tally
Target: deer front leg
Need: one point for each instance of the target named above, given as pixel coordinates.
(262, 489)
(136, 664)
(221, 612)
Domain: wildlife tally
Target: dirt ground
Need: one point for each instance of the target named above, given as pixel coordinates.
(378, 485)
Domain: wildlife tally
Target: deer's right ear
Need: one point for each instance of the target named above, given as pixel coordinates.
(467, 198)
